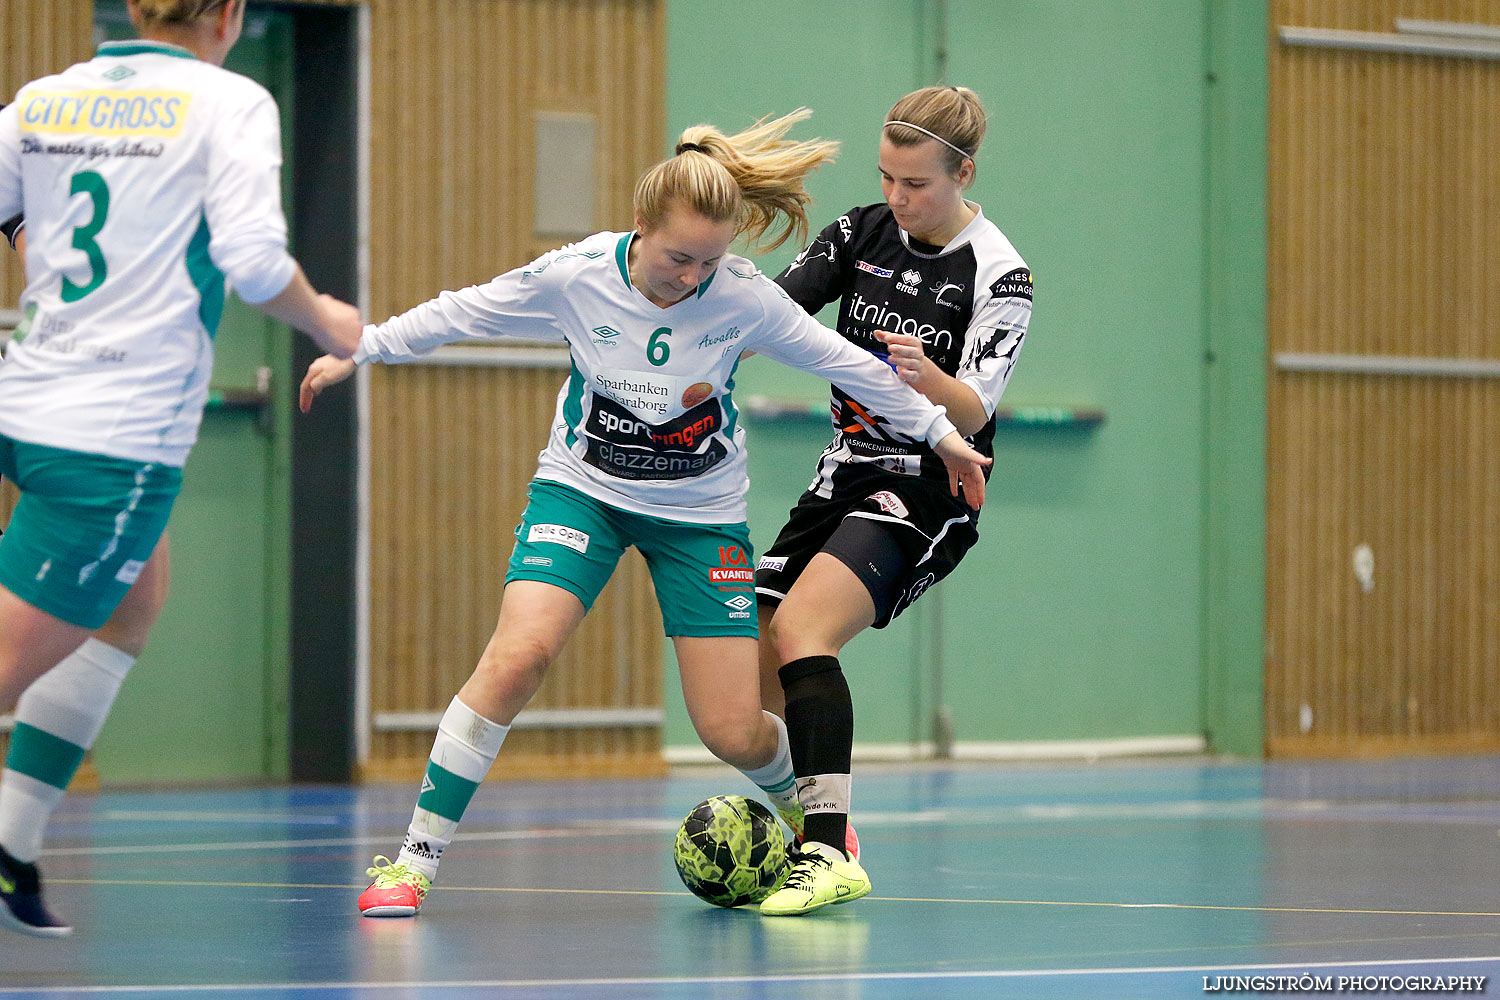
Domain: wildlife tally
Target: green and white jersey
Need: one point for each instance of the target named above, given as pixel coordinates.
(147, 176)
(646, 421)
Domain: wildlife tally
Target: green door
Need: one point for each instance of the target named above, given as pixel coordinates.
(208, 699)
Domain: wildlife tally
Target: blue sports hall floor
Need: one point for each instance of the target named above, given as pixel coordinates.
(1165, 878)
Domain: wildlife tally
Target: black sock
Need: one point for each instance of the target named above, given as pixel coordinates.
(820, 728)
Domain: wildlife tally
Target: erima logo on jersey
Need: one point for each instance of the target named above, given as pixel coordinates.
(910, 283)
(879, 272)
(766, 562)
(559, 534)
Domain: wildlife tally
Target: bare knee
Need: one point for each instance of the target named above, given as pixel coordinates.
(794, 634)
(739, 741)
(507, 676)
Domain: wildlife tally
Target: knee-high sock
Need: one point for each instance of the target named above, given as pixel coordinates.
(58, 718)
(820, 725)
(466, 746)
(776, 778)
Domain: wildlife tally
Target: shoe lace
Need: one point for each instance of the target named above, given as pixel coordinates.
(804, 870)
(386, 872)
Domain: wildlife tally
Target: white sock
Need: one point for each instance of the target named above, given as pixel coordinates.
(465, 747)
(58, 718)
(776, 778)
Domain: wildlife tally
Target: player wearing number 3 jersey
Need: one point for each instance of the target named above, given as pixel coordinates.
(149, 176)
(646, 450)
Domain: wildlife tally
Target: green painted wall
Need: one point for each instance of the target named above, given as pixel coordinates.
(1086, 610)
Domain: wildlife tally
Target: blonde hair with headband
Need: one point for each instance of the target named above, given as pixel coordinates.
(953, 116)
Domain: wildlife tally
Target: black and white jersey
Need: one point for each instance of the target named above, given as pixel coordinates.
(968, 302)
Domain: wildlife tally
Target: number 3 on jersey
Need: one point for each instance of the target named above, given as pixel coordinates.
(658, 350)
(89, 183)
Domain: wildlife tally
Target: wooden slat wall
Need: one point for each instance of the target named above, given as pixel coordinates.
(1384, 219)
(37, 37)
(455, 86)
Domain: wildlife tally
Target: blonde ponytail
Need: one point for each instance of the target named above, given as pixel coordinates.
(754, 179)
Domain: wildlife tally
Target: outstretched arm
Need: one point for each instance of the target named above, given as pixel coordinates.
(333, 325)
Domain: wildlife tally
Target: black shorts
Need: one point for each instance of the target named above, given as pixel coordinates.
(899, 540)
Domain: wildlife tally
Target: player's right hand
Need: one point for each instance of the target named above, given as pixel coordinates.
(340, 326)
(325, 371)
(965, 469)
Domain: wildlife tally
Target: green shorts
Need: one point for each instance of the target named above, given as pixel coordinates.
(83, 529)
(704, 573)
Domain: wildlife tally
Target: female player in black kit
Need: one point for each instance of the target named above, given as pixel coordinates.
(928, 282)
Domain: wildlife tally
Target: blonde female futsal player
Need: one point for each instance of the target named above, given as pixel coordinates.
(147, 175)
(646, 450)
(877, 527)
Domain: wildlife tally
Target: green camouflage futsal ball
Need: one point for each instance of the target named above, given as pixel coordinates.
(730, 851)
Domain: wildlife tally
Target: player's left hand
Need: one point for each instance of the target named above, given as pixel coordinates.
(965, 469)
(322, 373)
(910, 362)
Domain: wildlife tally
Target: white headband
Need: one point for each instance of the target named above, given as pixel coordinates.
(945, 142)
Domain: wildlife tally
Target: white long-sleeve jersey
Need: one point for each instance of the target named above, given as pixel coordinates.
(147, 177)
(646, 421)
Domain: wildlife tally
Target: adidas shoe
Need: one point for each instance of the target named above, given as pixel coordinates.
(21, 892)
(792, 816)
(818, 877)
(398, 890)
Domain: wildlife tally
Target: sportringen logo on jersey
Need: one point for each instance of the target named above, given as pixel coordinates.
(159, 113)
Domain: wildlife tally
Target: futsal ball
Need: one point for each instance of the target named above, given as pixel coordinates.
(730, 851)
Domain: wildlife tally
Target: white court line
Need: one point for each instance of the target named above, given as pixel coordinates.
(1190, 809)
(851, 977)
(276, 845)
(244, 818)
